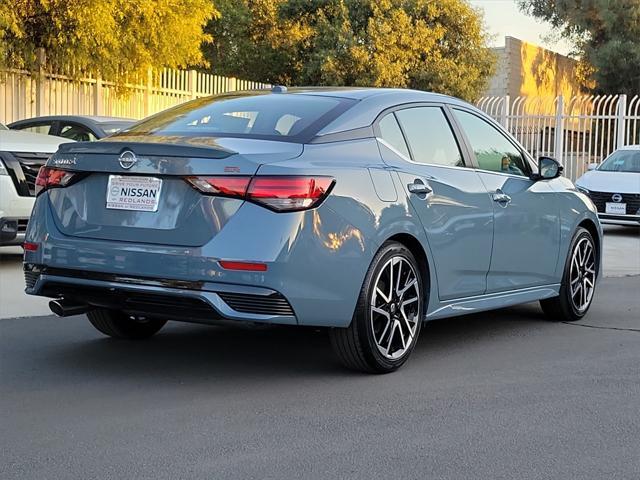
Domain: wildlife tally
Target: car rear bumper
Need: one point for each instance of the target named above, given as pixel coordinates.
(200, 302)
(316, 263)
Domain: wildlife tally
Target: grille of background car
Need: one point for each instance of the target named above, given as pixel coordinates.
(23, 168)
(601, 198)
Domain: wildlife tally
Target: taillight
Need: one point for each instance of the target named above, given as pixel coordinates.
(289, 193)
(279, 193)
(52, 177)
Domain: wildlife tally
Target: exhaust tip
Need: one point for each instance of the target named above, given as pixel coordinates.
(65, 308)
(56, 307)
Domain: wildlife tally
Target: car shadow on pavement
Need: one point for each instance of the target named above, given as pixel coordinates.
(194, 352)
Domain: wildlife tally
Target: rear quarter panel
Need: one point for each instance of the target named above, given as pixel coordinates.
(371, 213)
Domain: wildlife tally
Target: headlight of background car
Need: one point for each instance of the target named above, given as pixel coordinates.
(583, 190)
(3, 170)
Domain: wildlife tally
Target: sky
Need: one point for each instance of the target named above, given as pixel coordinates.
(504, 18)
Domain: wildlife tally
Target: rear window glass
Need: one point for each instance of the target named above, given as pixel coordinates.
(274, 117)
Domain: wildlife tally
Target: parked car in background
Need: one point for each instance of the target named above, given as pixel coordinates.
(367, 211)
(21, 156)
(3, 127)
(79, 128)
(614, 186)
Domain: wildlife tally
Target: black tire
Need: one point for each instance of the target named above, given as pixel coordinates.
(120, 325)
(562, 308)
(355, 345)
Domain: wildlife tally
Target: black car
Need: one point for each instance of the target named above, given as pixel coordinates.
(80, 128)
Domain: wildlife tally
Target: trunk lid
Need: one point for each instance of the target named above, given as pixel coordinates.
(154, 172)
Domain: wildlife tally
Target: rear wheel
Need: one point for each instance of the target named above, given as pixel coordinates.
(578, 282)
(388, 315)
(120, 325)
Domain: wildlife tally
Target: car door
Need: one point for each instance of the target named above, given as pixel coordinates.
(447, 196)
(526, 212)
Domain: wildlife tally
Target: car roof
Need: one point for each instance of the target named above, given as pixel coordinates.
(630, 147)
(355, 93)
(16, 141)
(370, 102)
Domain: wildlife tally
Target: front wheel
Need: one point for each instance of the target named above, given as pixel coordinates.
(578, 281)
(388, 316)
(120, 325)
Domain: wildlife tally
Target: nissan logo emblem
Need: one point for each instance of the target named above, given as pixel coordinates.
(127, 159)
(616, 197)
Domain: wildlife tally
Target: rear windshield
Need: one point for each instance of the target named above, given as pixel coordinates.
(287, 117)
(622, 161)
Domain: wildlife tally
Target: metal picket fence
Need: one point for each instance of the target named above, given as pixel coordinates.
(25, 95)
(577, 131)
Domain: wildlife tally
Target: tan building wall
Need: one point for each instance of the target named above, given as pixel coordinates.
(525, 69)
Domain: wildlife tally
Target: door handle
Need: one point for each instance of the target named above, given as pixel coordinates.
(419, 187)
(501, 197)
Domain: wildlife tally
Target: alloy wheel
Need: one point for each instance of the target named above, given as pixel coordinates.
(395, 307)
(582, 274)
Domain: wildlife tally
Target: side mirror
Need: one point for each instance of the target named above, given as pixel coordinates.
(592, 166)
(548, 168)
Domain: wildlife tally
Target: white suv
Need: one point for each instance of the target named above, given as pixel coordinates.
(614, 186)
(21, 156)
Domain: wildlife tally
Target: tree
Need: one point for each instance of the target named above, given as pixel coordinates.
(439, 46)
(117, 38)
(606, 35)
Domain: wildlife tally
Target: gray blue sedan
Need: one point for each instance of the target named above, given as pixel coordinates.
(365, 211)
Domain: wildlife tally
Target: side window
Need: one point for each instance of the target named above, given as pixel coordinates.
(390, 132)
(430, 136)
(36, 128)
(77, 133)
(493, 150)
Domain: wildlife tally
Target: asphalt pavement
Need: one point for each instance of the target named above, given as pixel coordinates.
(499, 395)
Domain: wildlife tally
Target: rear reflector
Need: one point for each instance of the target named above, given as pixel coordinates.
(279, 193)
(246, 266)
(30, 246)
(52, 177)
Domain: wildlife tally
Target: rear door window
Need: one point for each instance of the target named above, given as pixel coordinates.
(430, 137)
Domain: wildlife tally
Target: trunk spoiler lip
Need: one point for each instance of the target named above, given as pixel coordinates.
(159, 149)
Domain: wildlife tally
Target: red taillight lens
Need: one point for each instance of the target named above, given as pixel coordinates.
(289, 193)
(52, 177)
(279, 193)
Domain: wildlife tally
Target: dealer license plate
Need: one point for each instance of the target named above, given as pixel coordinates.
(133, 193)
(616, 208)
